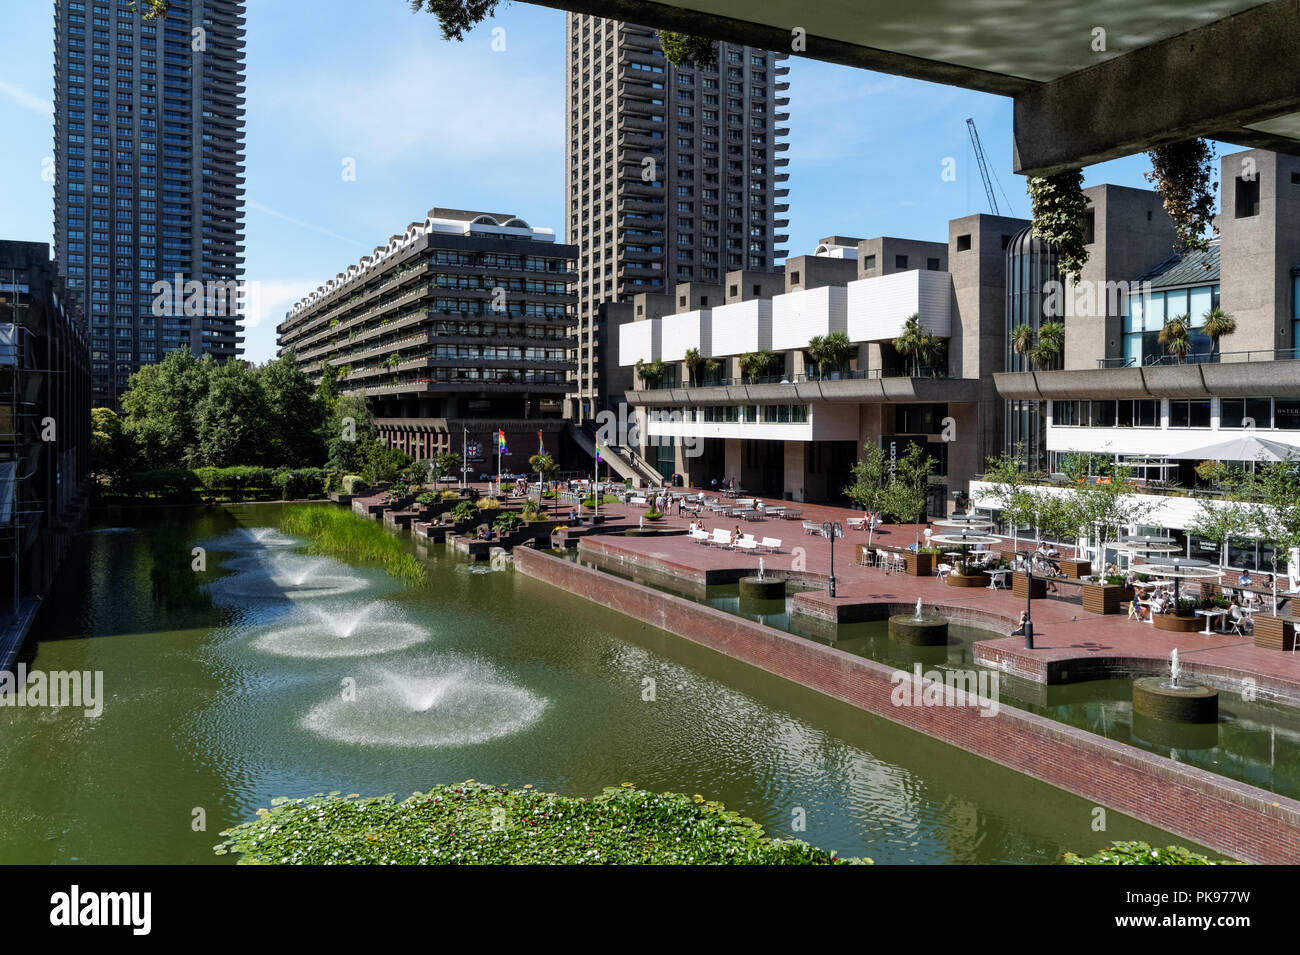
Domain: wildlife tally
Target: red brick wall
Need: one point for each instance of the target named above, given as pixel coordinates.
(1238, 820)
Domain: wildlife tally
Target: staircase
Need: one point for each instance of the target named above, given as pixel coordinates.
(623, 461)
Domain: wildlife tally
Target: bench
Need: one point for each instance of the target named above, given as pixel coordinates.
(811, 527)
(747, 542)
(771, 545)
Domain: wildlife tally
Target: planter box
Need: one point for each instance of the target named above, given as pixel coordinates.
(1020, 586)
(1106, 598)
(919, 565)
(971, 580)
(1174, 624)
(1074, 569)
(1274, 633)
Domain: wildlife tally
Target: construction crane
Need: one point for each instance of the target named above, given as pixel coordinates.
(984, 166)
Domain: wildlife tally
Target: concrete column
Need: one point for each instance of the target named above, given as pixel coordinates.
(732, 459)
(796, 456)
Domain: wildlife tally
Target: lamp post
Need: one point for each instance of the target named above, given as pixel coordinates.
(832, 530)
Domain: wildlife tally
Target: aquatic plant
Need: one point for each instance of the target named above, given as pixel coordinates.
(473, 823)
(344, 534)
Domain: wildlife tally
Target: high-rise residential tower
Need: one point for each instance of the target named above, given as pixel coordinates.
(672, 175)
(148, 152)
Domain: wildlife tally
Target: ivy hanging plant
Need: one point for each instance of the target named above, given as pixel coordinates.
(1059, 209)
(682, 48)
(1182, 175)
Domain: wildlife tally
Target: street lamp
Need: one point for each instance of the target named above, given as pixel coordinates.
(832, 530)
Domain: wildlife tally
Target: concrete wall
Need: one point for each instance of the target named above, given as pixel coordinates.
(879, 256)
(1132, 235)
(1257, 252)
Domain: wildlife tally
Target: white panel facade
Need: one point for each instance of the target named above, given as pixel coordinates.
(681, 333)
(879, 306)
(798, 316)
(741, 327)
(638, 341)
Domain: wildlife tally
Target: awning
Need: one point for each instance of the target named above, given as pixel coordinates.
(1248, 447)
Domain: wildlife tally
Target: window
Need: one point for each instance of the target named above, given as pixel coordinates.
(1286, 414)
(1246, 413)
(869, 263)
(794, 278)
(1247, 204)
(1189, 414)
(900, 262)
(932, 265)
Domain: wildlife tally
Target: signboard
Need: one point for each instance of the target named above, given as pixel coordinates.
(473, 451)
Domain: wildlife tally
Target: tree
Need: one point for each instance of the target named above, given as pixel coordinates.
(829, 351)
(232, 426)
(1006, 477)
(111, 453)
(161, 404)
(350, 432)
(907, 491)
(545, 467)
(1274, 514)
(327, 392)
(911, 344)
(1022, 340)
(448, 462)
(1218, 325)
(760, 364)
(294, 414)
(1182, 173)
(682, 48)
(694, 362)
(650, 372)
(1109, 506)
(1051, 345)
(870, 478)
(1221, 522)
(456, 17)
(1176, 336)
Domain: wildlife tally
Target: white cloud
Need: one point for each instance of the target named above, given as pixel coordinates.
(261, 207)
(25, 99)
(269, 299)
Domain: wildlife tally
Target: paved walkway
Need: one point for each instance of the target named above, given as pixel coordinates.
(1064, 632)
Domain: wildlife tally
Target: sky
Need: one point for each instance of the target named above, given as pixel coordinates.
(427, 122)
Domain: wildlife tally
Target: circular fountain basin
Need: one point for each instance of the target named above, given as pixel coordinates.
(761, 588)
(1156, 698)
(923, 632)
(1175, 735)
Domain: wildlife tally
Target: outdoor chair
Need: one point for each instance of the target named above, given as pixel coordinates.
(747, 542)
(811, 527)
(722, 538)
(771, 544)
(857, 523)
(942, 571)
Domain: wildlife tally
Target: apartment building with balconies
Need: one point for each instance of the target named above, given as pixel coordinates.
(149, 180)
(730, 390)
(457, 328)
(672, 174)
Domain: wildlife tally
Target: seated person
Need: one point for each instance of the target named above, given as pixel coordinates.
(573, 514)
(1136, 611)
(1245, 579)
(1160, 603)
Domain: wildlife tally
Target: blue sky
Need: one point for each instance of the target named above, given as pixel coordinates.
(431, 123)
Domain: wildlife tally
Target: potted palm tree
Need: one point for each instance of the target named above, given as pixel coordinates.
(694, 362)
(829, 353)
(1176, 336)
(1218, 325)
(1022, 340)
(1051, 345)
(912, 343)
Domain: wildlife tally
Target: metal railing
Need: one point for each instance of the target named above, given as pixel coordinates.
(1204, 358)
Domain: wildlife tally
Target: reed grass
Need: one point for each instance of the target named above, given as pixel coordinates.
(344, 534)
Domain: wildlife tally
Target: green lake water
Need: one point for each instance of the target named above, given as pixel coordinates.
(273, 673)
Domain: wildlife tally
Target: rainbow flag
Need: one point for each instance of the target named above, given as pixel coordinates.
(541, 448)
(598, 450)
(501, 443)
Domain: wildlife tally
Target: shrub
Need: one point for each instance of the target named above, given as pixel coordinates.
(462, 824)
(530, 510)
(167, 483)
(339, 532)
(1140, 853)
(507, 523)
(428, 498)
(450, 495)
(299, 483)
(487, 504)
(653, 514)
(351, 482)
(464, 511)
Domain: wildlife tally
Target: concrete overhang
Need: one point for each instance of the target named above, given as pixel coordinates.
(1159, 72)
(845, 391)
(1232, 380)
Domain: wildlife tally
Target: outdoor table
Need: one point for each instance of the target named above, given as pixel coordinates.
(792, 514)
(776, 511)
(998, 579)
(1209, 615)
